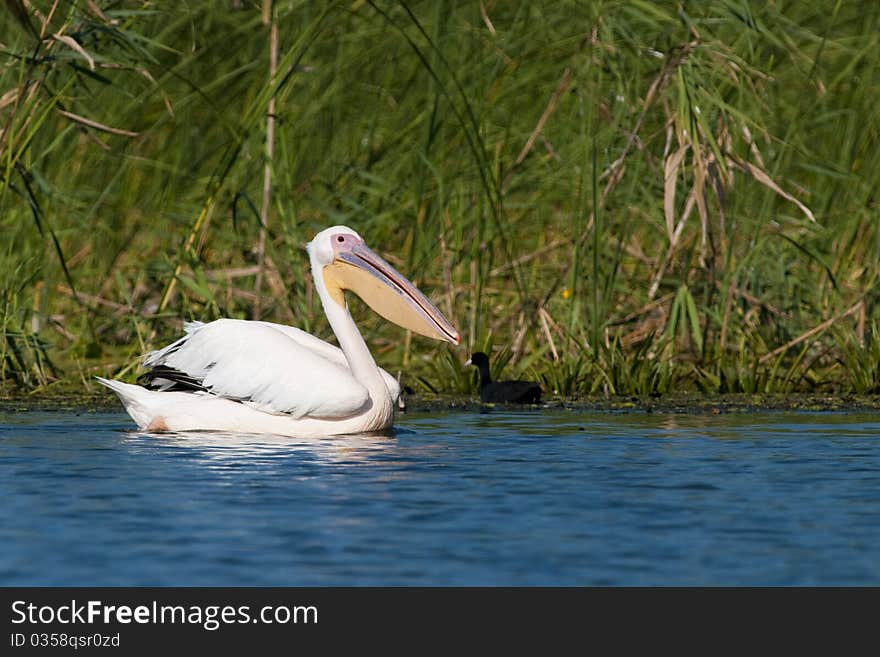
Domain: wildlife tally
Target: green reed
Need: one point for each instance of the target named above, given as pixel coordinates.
(621, 197)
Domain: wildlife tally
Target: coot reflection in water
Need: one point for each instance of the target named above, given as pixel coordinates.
(506, 498)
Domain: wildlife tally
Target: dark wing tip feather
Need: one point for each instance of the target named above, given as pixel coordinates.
(168, 379)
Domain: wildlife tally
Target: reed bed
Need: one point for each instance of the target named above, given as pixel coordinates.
(614, 198)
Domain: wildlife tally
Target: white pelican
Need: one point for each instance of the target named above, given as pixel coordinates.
(258, 377)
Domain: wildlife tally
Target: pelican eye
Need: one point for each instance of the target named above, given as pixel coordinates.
(340, 238)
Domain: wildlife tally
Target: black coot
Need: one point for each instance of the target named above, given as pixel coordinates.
(516, 392)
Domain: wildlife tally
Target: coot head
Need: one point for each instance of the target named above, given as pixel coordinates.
(478, 359)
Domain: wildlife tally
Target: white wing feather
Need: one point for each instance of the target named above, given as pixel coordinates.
(330, 352)
(264, 364)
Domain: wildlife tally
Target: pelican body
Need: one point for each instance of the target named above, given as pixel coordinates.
(259, 377)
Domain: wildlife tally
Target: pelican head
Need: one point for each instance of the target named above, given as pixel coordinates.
(343, 262)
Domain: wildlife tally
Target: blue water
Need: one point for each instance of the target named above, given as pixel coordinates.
(501, 498)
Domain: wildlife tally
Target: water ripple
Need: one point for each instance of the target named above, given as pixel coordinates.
(559, 498)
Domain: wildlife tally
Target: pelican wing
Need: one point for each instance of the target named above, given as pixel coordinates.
(256, 363)
(330, 352)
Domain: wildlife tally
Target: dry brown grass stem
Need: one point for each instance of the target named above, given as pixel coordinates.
(670, 185)
(522, 328)
(755, 301)
(644, 310)
(670, 251)
(561, 88)
(92, 299)
(762, 177)
(543, 315)
(485, 16)
(537, 253)
(198, 231)
(725, 318)
(231, 273)
(91, 123)
(72, 43)
(472, 320)
(272, 23)
(813, 331)
(653, 90)
(96, 10)
(860, 325)
(448, 284)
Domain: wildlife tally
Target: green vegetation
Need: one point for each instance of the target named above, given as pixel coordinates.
(623, 197)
